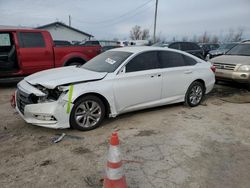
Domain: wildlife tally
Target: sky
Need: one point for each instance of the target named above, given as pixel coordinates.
(109, 19)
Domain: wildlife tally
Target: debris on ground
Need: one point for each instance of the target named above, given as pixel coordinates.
(58, 139)
(46, 163)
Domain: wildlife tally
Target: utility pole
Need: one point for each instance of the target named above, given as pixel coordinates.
(156, 8)
(69, 21)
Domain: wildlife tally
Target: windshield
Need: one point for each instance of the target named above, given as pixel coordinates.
(106, 62)
(226, 46)
(241, 49)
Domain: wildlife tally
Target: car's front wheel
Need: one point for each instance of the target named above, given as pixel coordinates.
(87, 113)
(195, 94)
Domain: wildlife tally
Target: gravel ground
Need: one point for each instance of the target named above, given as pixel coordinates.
(171, 146)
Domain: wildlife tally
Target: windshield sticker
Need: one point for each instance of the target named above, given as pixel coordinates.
(110, 61)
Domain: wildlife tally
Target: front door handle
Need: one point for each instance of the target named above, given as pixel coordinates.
(188, 72)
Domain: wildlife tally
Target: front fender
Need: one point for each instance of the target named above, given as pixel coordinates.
(97, 87)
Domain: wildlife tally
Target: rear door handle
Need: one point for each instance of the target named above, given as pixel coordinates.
(188, 72)
(152, 76)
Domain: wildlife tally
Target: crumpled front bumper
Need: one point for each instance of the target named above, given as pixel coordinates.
(47, 114)
(55, 111)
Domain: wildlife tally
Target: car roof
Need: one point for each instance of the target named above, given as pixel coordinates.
(138, 49)
(22, 30)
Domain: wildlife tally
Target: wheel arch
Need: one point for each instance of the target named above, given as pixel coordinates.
(202, 82)
(103, 99)
(74, 59)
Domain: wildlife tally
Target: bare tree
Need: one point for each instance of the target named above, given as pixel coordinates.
(205, 37)
(229, 37)
(215, 39)
(145, 34)
(238, 35)
(135, 33)
(234, 36)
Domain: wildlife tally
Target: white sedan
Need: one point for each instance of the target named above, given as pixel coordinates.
(117, 81)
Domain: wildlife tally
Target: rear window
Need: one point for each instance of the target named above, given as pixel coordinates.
(174, 46)
(174, 59)
(190, 46)
(189, 61)
(31, 40)
(91, 43)
(195, 46)
(171, 59)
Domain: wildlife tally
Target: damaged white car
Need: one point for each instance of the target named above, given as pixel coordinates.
(115, 82)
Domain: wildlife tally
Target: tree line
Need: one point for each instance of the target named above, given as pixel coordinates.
(233, 35)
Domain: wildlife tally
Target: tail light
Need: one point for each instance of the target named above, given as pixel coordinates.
(213, 68)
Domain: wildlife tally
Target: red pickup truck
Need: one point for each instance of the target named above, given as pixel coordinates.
(26, 51)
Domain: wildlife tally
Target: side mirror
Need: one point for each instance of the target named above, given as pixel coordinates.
(122, 71)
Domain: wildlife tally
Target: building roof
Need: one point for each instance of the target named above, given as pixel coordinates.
(64, 25)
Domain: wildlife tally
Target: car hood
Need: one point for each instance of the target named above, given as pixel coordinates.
(232, 59)
(62, 76)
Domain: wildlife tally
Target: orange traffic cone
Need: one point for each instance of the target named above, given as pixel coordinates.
(114, 174)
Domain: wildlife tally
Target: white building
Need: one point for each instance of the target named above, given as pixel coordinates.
(61, 31)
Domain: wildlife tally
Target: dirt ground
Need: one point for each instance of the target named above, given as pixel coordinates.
(172, 146)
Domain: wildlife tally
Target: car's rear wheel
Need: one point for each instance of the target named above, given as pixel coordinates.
(87, 114)
(195, 94)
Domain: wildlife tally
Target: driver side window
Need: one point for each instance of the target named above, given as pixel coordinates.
(141, 62)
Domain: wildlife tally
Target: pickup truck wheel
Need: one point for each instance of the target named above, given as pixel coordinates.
(87, 114)
(195, 94)
(75, 64)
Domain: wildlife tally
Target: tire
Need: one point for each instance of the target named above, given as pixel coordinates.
(75, 64)
(83, 117)
(195, 94)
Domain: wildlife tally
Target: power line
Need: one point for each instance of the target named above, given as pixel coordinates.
(121, 16)
(124, 19)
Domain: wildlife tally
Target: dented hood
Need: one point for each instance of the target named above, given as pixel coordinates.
(64, 75)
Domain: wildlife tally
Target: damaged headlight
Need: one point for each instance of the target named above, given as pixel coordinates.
(51, 94)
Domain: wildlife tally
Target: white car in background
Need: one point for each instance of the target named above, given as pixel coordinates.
(115, 82)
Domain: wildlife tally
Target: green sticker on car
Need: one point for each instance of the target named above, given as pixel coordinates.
(70, 98)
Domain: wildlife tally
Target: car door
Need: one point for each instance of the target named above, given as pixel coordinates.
(178, 74)
(139, 85)
(34, 53)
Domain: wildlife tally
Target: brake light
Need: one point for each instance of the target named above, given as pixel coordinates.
(213, 68)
